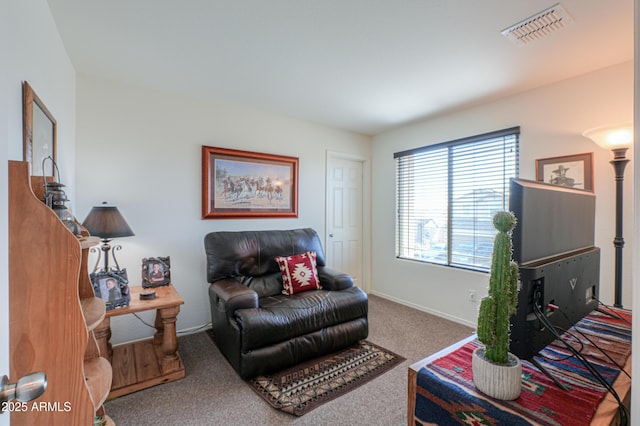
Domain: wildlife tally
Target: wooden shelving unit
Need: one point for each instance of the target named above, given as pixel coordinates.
(93, 308)
(53, 312)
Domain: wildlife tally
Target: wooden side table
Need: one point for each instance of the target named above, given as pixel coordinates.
(142, 364)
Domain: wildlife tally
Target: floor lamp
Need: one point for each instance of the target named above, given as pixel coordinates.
(618, 139)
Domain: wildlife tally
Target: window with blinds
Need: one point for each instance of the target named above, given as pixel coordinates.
(447, 194)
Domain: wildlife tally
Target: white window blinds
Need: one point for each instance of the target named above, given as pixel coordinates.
(447, 194)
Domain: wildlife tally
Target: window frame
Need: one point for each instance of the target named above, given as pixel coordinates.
(511, 169)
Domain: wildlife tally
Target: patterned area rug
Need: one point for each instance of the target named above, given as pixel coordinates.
(302, 388)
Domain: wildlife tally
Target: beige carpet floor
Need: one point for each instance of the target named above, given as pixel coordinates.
(213, 394)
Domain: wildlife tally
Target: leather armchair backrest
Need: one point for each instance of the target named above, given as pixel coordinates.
(253, 253)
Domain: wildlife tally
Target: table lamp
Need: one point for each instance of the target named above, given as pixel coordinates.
(107, 223)
(618, 139)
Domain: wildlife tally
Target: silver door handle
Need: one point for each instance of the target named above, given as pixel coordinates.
(27, 388)
(330, 235)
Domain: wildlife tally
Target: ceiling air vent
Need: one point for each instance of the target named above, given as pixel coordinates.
(539, 25)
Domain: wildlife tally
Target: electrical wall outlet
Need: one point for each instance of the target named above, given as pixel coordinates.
(473, 298)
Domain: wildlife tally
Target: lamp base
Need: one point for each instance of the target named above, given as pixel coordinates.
(619, 163)
(105, 250)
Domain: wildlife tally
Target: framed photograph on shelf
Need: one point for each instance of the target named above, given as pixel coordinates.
(244, 184)
(156, 271)
(573, 171)
(112, 287)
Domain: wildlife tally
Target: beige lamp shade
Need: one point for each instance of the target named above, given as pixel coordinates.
(611, 137)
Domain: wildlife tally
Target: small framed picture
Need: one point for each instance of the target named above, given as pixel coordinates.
(156, 271)
(112, 287)
(573, 171)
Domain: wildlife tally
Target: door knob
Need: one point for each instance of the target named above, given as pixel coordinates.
(27, 388)
(330, 235)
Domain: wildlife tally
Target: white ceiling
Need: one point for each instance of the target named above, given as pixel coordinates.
(360, 65)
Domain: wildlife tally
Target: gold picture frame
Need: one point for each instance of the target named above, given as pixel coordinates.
(245, 184)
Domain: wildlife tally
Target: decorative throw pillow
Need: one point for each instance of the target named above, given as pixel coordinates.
(299, 272)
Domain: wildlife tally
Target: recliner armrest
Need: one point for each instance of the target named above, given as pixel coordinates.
(330, 279)
(231, 295)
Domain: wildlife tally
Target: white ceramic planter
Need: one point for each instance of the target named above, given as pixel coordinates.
(498, 381)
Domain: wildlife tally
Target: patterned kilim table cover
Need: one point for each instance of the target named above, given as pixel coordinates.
(446, 393)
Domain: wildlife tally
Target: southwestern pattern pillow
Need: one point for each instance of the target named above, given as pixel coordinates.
(299, 272)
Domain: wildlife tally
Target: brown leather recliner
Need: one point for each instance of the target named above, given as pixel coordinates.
(260, 330)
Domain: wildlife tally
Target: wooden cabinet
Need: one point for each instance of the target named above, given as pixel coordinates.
(52, 312)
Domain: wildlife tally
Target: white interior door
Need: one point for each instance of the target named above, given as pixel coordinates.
(344, 239)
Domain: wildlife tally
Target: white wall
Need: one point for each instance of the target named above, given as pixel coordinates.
(31, 49)
(552, 119)
(38, 56)
(635, 344)
(140, 150)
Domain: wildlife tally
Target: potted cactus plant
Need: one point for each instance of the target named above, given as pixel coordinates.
(497, 372)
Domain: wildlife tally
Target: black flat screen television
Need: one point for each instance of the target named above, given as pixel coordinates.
(553, 243)
(552, 220)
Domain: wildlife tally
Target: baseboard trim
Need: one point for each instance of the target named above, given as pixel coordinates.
(424, 309)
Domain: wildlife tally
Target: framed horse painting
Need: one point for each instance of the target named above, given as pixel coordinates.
(245, 184)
